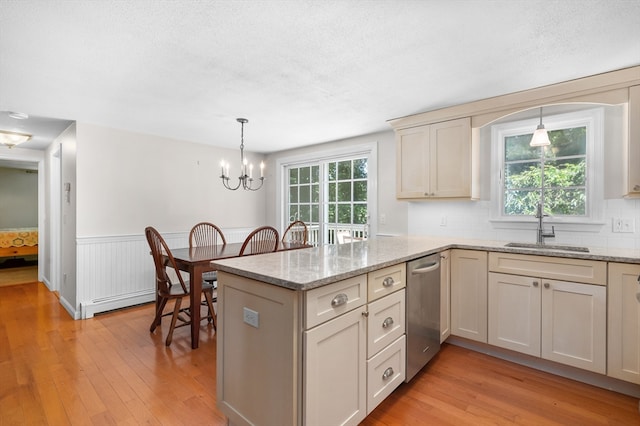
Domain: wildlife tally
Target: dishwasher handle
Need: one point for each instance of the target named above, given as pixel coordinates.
(427, 268)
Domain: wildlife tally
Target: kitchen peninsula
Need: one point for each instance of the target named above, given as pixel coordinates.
(276, 312)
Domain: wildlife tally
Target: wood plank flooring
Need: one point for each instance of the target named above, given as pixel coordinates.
(109, 370)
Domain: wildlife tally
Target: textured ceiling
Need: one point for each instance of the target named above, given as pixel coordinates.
(301, 71)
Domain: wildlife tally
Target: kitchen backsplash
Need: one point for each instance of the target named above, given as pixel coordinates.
(472, 219)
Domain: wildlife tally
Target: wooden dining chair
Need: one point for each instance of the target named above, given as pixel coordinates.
(261, 240)
(296, 232)
(208, 234)
(167, 290)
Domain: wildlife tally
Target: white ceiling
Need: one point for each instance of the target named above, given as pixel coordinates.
(301, 71)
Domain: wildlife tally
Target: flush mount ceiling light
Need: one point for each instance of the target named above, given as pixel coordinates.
(12, 139)
(245, 180)
(18, 115)
(540, 136)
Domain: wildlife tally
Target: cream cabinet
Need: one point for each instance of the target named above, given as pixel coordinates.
(469, 294)
(558, 320)
(624, 322)
(434, 161)
(633, 152)
(445, 295)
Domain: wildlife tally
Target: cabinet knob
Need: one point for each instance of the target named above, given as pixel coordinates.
(546, 285)
(388, 322)
(339, 300)
(388, 282)
(535, 283)
(636, 188)
(387, 373)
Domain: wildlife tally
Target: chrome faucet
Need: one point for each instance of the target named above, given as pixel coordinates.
(541, 234)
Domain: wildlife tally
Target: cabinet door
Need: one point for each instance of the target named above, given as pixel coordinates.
(469, 294)
(335, 371)
(412, 150)
(574, 324)
(624, 322)
(445, 295)
(514, 313)
(450, 159)
(633, 161)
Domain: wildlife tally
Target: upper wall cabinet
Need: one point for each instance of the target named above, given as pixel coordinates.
(434, 160)
(633, 164)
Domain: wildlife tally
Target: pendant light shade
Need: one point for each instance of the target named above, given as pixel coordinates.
(540, 136)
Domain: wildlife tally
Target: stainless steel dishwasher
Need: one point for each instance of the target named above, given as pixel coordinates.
(423, 312)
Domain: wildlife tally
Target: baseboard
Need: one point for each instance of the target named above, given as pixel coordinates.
(89, 309)
(551, 367)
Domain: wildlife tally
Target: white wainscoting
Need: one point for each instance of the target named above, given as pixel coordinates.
(117, 271)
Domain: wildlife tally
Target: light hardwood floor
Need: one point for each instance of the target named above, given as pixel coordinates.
(110, 370)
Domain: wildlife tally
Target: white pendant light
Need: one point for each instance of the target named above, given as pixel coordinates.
(540, 136)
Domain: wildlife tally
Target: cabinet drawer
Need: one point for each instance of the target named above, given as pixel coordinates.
(556, 268)
(385, 372)
(327, 302)
(386, 321)
(387, 280)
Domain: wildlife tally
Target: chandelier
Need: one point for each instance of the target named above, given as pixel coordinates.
(245, 180)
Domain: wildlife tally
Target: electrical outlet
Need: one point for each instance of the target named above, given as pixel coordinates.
(383, 219)
(251, 317)
(443, 221)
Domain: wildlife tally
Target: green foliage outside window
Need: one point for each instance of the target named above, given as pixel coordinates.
(564, 163)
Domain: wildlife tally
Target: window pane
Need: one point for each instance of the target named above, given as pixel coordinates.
(305, 213)
(521, 202)
(293, 176)
(315, 193)
(332, 192)
(518, 148)
(563, 173)
(344, 213)
(360, 168)
(360, 213)
(305, 193)
(332, 175)
(331, 211)
(565, 202)
(305, 174)
(344, 170)
(315, 174)
(315, 213)
(522, 175)
(360, 191)
(344, 191)
(293, 213)
(293, 194)
(565, 142)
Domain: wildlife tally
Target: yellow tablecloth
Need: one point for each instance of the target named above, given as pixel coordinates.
(18, 237)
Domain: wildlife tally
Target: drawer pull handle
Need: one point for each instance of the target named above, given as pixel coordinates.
(387, 373)
(388, 322)
(339, 300)
(388, 282)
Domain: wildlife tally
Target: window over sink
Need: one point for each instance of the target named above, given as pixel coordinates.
(565, 176)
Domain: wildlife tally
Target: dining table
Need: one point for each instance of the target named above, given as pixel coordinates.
(197, 260)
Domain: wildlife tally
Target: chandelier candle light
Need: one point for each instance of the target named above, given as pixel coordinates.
(245, 180)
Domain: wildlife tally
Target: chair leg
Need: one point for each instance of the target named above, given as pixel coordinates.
(158, 317)
(176, 312)
(212, 314)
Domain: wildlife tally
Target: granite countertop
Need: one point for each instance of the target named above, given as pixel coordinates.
(305, 269)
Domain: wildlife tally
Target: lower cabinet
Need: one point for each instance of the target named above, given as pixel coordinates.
(335, 371)
(445, 295)
(557, 320)
(469, 294)
(353, 360)
(624, 322)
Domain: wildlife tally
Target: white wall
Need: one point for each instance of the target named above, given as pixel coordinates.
(394, 211)
(127, 181)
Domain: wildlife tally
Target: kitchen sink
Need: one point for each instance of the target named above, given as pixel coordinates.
(548, 247)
